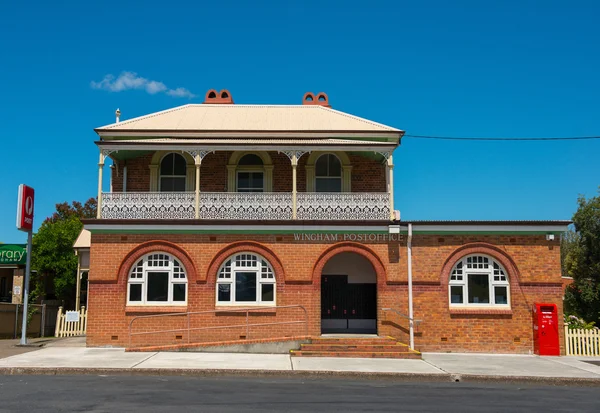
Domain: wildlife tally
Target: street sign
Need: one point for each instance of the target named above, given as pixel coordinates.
(25, 208)
(72, 316)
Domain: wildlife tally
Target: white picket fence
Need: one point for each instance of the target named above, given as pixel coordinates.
(582, 342)
(71, 323)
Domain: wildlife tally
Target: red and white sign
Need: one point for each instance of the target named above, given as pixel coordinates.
(25, 208)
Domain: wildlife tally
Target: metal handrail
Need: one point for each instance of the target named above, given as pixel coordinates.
(247, 324)
(393, 310)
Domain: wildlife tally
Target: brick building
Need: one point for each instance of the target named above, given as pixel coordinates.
(232, 222)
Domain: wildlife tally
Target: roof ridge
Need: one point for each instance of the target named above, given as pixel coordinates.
(148, 116)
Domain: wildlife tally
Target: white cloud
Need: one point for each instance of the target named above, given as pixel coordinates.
(180, 92)
(131, 80)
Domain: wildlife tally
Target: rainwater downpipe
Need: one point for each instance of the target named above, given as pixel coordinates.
(410, 291)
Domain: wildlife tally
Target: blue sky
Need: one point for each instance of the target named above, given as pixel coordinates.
(459, 68)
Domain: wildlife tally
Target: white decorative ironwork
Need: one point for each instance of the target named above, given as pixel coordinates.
(298, 154)
(200, 152)
(350, 206)
(148, 205)
(107, 152)
(386, 155)
(246, 205)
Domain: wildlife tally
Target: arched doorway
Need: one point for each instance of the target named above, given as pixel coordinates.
(348, 295)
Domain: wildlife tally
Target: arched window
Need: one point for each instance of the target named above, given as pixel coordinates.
(172, 173)
(157, 279)
(328, 174)
(246, 278)
(478, 280)
(250, 176)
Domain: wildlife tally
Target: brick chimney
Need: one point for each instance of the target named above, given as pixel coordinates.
(320, 99)
(222, 97)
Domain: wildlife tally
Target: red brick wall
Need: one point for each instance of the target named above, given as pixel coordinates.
(367, 175)
(534, 277)
(138, 175)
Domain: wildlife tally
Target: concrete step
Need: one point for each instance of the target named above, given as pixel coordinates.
(355, 347)
(355, 341)
(360, 354)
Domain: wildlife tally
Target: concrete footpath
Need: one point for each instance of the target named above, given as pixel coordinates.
(58, 358)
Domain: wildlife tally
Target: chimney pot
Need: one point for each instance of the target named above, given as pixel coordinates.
(319, 99)
(118, 115)
(222, 97)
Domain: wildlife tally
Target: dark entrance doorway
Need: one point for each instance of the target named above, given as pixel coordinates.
(348, 308)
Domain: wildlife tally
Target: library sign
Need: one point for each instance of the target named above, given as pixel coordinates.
(13, 254)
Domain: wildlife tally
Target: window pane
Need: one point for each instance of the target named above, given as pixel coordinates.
(267, 292)
(158, 286)
(179, 184)
(167, 184)
(245, 286)
(178, 292)
(328, 185)
(456, 294)
(256, 180)
(179, 166)
(166, 166)
(224, 293)
(250, 159)
(243, 180)
(501, 295)
(479, 289)
(335, 168)
(321, 166)
(135, 292)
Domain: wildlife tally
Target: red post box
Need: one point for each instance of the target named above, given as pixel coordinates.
(546, 340)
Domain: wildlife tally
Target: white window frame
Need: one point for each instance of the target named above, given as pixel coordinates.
(497, 277)
(264, 275)
(341, 177)
(138, 274)
(160, 175)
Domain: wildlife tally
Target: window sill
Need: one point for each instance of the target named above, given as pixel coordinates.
(156, 308)
(238, 306)
(481, 310)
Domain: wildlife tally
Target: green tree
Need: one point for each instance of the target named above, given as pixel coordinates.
(52, 255)
(581, 260)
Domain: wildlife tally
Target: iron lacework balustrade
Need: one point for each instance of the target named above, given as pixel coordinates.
(246, 206)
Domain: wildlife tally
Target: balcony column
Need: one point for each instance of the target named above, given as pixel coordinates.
(100, 169)
(390, 173)
(294, 160)
(197, 163)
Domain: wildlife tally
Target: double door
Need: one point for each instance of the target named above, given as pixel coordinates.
(348, 307)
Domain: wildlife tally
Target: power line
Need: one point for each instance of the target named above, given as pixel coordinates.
(457, 138)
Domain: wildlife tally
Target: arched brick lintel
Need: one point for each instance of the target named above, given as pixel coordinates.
(480, 248)
(155, 246)
(245, 246)
(349, 247)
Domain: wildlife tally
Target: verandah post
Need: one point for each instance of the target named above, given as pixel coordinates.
(197, 162)
(100, 168)
(294, 188)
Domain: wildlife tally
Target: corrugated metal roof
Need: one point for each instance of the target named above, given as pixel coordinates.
(84, 239)
(263, 118)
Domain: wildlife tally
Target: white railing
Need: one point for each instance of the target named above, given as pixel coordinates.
(350, 206)
(246, 205)
(579, 342)
(148, 205)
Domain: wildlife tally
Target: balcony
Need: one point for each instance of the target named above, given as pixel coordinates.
(350, 206)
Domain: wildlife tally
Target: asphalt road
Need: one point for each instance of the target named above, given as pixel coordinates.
(247, 394)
